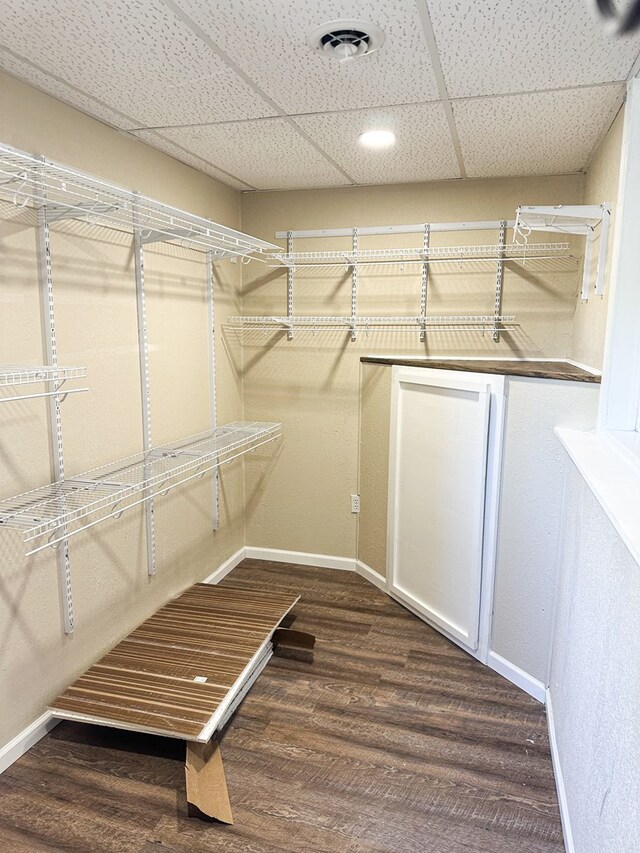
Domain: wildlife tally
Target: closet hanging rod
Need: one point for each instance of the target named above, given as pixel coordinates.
(61, 392)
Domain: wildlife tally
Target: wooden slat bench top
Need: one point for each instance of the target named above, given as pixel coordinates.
(214, 634)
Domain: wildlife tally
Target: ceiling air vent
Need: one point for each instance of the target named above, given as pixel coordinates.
(344, 40)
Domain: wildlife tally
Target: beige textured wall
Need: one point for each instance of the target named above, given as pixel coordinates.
(530, 519)
(375, 412)
(601, 184)
(96, 317)
(311, 384)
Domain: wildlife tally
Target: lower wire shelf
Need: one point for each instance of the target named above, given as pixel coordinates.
(61, 510)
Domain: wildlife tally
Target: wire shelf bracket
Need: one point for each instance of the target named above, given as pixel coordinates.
(290, 276)
(580, 219)
(213, 394)
(354, 284)
(143, 352)
(424, 279)
(55, 417)
(502, 237)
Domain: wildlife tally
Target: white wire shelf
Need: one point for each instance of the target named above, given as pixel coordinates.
(468, 322)
(19, 374)
(512, 251)
(65, 193)
(63, 509)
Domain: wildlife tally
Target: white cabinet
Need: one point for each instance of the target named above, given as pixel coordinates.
(444, 467)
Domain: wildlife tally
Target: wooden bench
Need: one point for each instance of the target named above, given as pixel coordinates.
(182, 674)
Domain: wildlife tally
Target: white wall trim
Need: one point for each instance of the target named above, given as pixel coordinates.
(224, 569)
(302, 558)
(371, 575)
(557, 772)
(25, 739)
(517, 676)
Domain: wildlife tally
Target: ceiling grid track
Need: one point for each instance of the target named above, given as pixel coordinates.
(432, 47)
(280, 113)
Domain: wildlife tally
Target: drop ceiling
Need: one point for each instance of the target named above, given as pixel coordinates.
(472, 88)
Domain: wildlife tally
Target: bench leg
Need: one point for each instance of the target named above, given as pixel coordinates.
(206, 785)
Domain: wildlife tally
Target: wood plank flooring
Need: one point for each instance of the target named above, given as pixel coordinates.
(391, 740)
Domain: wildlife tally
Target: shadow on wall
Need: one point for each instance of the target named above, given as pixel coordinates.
(258, 466)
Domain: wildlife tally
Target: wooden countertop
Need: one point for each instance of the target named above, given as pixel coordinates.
(507, 367)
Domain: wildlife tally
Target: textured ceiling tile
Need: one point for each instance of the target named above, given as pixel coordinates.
(269, 42)
(423, 150)
(159, 141)
(267, 154)
(41, 80)
(133, 55)
(502, 46)
(536, 134)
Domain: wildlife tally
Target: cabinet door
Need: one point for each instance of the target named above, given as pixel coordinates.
(438, 465)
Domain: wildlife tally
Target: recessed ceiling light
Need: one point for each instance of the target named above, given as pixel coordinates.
(377, 139)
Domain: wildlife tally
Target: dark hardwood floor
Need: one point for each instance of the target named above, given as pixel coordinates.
(392, 739)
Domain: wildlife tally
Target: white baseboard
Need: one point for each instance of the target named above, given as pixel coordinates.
(371, 575)
(23, 741)
(302, 558)
(223, 570)
(517, 676)
(557, 772)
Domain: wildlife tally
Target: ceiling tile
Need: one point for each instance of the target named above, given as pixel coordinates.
(269, 42)
(504, 46)
(42, 80)
(267, 154)
(133, 55)
(159, 141)
(423, 149)
(535, 134)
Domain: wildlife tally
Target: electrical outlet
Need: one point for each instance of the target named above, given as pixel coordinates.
(355, 503)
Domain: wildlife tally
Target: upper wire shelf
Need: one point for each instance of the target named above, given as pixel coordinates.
(467, 322)
(511, 251)
(106, 492)
(24, 374)
(66, 193)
